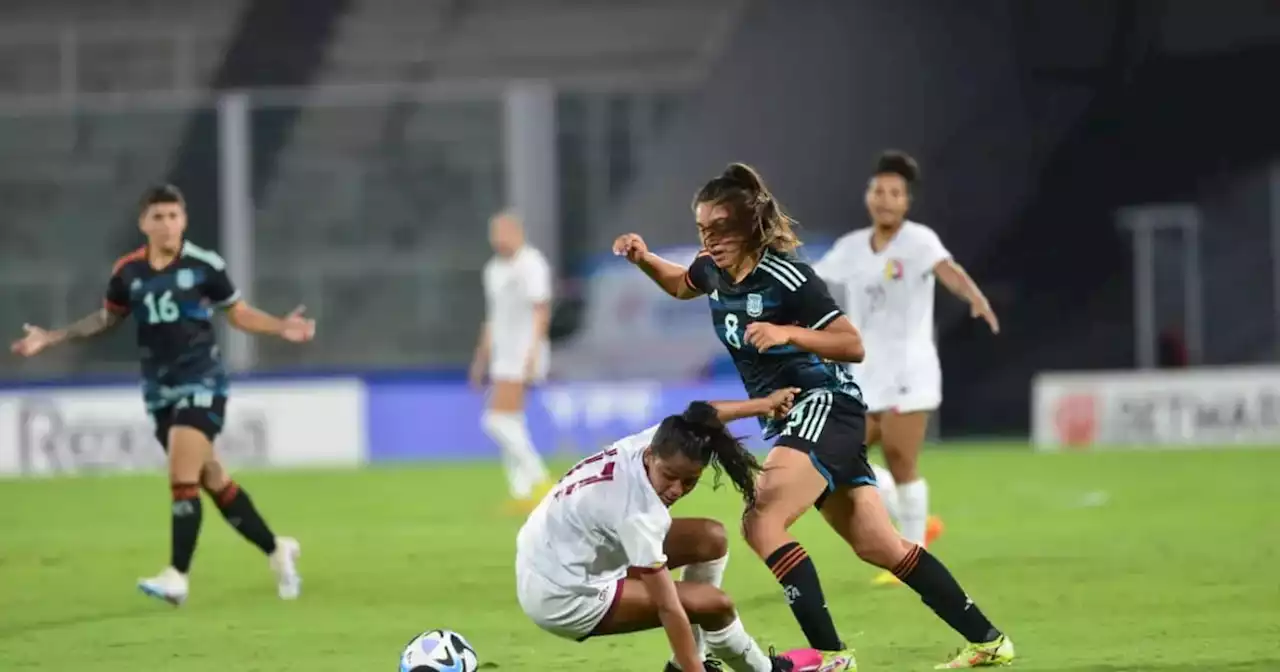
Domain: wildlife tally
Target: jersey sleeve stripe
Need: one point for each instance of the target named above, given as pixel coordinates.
(116, 308)
(688, 281)
(135, 255)
(786, 282)
(825, 320)
(787, 268)
(235, 296)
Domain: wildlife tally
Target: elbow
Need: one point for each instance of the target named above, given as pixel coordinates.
(235, 317)
(852, 350)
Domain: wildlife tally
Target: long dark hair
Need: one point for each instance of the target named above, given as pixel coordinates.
(752, 209)
(699, 435)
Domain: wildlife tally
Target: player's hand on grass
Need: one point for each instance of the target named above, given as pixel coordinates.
(298, 329)
(763, 335)
(631, 246)
(30, 345)
(982, 308)
(781, 401)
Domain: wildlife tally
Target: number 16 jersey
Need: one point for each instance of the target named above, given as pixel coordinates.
(601, 518)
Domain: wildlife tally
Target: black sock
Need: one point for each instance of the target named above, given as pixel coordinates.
(928, 577)
(240, 513)
(185, 525)
(799, 578)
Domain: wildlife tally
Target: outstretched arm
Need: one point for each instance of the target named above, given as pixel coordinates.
(958, 282)
(774, 405)
(671, 277)
(293, 327)
(99, 321)
(36, 339)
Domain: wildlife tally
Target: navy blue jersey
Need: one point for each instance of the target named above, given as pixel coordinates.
(779, 291)
(173, 308)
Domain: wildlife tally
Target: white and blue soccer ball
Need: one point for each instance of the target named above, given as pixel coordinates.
(439, 651)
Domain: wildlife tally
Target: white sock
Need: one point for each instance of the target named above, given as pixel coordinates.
(519, 458)
(710, 573)
(913, 500)
(888, 493)
(736, 648)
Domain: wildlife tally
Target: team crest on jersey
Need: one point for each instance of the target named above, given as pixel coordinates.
(186, 279)
(755, 305)
(135, 286)
(893, 269)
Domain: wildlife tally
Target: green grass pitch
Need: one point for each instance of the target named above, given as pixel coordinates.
(1093, 562)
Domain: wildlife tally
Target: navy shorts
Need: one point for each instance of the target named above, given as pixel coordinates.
(831, 427)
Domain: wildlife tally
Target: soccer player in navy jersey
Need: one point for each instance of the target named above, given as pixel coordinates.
(171, 288)
(782, 329)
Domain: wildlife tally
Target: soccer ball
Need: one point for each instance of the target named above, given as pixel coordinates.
(439, 651)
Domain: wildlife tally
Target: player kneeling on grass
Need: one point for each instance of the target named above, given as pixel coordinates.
(592, 558)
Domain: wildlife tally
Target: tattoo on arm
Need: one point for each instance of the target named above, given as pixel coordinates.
(91, 325)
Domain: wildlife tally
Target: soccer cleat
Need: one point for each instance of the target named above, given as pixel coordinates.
(932, 530)
(708, 665)
(886, 578)
(838, 661)
(991, 654)
(284, 563)
(169, 585)
(795, 660)
(525, 505)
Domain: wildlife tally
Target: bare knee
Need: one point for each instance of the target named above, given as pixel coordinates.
(902, 459)
(762, 532)
(213, 477)
(882, 550)
(713, 543)
(714, 611)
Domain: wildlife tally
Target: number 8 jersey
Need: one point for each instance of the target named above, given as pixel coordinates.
(779, 291)
(601, 518)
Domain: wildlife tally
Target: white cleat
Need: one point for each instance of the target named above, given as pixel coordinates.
(284, 562)
(169, 585)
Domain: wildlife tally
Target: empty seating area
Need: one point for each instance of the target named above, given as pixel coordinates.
(374, 210)
(601, 40)
(110, 46)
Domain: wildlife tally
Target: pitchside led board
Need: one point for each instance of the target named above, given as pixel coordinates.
(1171, 408)
(67, 430)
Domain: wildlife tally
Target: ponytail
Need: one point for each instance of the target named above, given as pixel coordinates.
(752, 207)
(699, 435)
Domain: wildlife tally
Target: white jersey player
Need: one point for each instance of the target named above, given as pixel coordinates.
(888, 273)
(592, 558)
(514, 351)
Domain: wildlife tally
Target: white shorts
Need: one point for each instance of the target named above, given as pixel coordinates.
(900, 389)
(568, 613)
(509, 367)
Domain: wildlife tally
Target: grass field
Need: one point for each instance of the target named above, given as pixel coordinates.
(1160, 562)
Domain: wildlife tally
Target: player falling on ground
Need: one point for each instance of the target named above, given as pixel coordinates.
(782, 329)
(887, 272)
(169, 286)
(592, 557)
(513, 350)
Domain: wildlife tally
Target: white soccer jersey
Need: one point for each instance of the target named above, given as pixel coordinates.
(601, 518)
(513, 287)
(888, 294)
